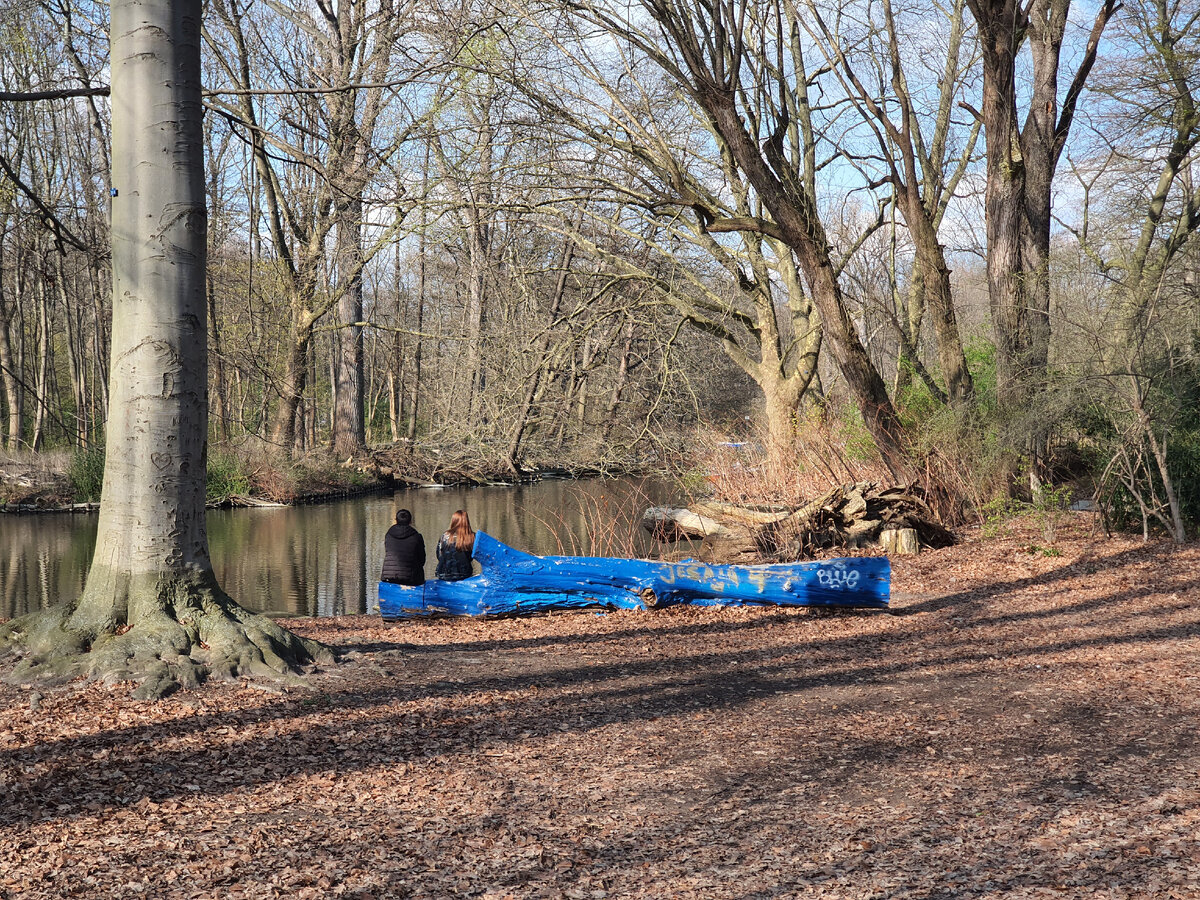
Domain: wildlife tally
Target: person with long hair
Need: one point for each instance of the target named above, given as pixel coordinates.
(454, 548)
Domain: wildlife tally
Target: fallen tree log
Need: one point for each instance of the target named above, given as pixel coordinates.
(854, 516)
(668, 523)
(742, 515)
(851, 516)
(517, 583)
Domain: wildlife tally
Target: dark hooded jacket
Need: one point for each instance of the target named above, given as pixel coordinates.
(403, 556)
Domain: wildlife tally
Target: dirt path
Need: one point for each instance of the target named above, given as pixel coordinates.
(1022, 726)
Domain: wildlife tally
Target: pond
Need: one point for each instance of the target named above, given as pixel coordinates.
(324, 559)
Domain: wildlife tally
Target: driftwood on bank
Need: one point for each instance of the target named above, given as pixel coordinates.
(409, 465)
(244, 501)
(668, 523)
(851, 516)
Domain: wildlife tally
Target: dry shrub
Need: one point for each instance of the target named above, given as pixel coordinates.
(834, 451)
(267, 468)
(827, 454)
(961, 463)
(607, 519)
(951, 487)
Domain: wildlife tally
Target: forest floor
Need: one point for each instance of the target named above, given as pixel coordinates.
(1019, 725)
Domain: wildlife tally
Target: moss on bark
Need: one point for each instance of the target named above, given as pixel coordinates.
(164, 633)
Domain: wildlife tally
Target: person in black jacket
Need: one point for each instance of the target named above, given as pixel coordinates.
(454, 548)
(403, 552)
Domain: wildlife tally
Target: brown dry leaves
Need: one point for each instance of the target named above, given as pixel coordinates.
(1024, 727)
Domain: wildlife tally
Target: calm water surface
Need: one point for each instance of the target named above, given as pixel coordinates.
(324, 560)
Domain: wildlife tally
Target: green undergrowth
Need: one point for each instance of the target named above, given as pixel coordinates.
(228, 476)
(85, 474)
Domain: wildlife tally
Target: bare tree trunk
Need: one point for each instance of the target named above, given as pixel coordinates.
(295, 378)
(620, 381)
(42, 385)
(76, 363)
(910, 312)
(939, 299)
(349, 426)
(8, 376)
(588, 351)
(415, 404)
(220, 403)
(477, 278)
(309, 412)
(541, 355)
(917, 177)
(707, 55)
(1021, 162)
(101, 350)
(799, 222)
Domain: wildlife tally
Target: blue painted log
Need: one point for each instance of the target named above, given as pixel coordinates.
(516, 583)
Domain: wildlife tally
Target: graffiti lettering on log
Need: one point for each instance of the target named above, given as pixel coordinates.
(838, 577)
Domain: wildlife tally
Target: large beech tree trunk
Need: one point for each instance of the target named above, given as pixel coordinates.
(151, 610)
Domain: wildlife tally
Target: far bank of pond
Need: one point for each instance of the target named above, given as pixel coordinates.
(324, 559)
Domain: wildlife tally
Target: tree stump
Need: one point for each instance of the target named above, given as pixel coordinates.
(900, 541)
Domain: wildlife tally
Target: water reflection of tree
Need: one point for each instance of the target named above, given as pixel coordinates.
(45, 560)
(351, 560)
(310, 561)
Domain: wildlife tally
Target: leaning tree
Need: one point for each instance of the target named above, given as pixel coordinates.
(736, 61)
(151, 610)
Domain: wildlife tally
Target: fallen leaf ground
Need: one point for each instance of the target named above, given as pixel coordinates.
(1021, 725)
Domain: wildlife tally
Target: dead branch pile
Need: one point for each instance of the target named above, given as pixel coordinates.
(847, 517)
(416, 467)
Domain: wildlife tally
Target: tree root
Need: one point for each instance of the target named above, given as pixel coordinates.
(165, 635)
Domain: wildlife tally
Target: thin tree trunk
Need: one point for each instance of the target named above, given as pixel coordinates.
(42, 385)
(77, 364)
(541, 354)
(620, 381)
(8, 376)
(295, 379)
(414, 404)
(938, 296)
(349, 426)
(220, 392)
(394, 391)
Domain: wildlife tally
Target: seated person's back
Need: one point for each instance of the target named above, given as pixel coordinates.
(403, 552)
(454, 548)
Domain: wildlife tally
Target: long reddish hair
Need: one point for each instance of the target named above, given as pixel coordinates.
(460, 530)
